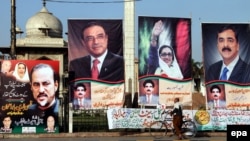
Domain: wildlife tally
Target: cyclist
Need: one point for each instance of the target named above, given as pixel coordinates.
(177, 117)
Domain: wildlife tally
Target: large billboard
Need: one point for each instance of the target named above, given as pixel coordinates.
(29, 96)
(96, 63)
(164, 60)
(226, 48)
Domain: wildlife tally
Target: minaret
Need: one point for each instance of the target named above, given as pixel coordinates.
(44, 3)
(129, 46)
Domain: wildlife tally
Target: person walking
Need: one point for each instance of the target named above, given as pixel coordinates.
(177, 117)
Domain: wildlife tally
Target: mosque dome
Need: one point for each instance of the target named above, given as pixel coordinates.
(44, 24)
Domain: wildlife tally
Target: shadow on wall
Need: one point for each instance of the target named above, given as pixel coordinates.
(135, 101)
(128, 100)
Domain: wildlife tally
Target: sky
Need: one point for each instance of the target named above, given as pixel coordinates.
(200, 11)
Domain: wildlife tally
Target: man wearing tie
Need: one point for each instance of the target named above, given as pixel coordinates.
(149, 97)
(216, 102)
(81, 98)
(232, 67)
(100, 63)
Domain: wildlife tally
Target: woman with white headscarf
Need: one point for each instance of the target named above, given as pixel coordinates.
(21, 72)
(162, 60)
(168, 65)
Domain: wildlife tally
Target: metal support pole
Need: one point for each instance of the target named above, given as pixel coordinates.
(70, 118)
(13, 30)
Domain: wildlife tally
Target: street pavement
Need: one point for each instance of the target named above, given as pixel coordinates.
(107, 136)
(115, 139)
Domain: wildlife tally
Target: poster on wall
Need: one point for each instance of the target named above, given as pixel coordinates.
(164, 60)
(96, 63)
(226, 49)
(29, 96)
(205, 120)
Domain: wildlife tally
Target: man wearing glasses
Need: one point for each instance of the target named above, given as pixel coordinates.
(100, 63)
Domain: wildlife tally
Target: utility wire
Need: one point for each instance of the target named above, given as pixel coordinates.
(92, 2)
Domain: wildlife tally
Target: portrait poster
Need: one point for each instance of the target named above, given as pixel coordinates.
(164, 51)
(226, 46)
(21, 96)
(91, 39)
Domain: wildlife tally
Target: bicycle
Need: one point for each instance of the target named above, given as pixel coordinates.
(160, 128)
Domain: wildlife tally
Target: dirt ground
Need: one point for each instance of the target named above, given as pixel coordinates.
(198, 100)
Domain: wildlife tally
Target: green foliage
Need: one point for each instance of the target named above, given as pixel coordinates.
(144, 44)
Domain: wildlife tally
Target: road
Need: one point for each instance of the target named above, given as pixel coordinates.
(108, 136)
(113, 139)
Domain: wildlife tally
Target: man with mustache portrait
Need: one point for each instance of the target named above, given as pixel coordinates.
(81, 98)
(216, 98)
(101, 63)
(149, 97)
(44, 85)
(231, 67)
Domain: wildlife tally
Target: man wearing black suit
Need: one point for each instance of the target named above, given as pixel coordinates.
(232, 67)
(109, 65)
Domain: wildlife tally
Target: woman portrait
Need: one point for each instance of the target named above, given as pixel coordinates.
(162, 60)
(50, 124)
(155, 32)
(168, 65)
(21, 72)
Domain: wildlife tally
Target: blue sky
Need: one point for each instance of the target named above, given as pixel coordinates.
(200, 11)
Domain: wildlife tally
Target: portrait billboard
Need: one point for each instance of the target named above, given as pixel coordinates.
(226, 62)
(165, 55)
(96, 63)
(29, 96)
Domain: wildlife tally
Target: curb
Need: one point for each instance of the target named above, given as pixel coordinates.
(100, 134)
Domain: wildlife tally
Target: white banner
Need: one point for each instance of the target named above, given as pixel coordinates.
(204, 119)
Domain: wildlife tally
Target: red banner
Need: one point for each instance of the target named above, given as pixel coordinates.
(29, 96)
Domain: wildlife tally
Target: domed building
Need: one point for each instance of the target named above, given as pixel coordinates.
(44, 24)
(43, 30)
(43, 41)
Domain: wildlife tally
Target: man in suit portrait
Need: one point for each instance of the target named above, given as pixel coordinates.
(215, 99)
(81, 99)
(231, 67)
(149, 97)
(44, 86)
(100, 63)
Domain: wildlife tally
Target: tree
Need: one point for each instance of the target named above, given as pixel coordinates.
(197, 73)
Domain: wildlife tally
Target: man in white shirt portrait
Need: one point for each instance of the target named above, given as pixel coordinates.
(215, 100)
(81, 98)
(149, 96)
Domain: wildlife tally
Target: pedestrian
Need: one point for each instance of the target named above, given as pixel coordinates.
(177, 117)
